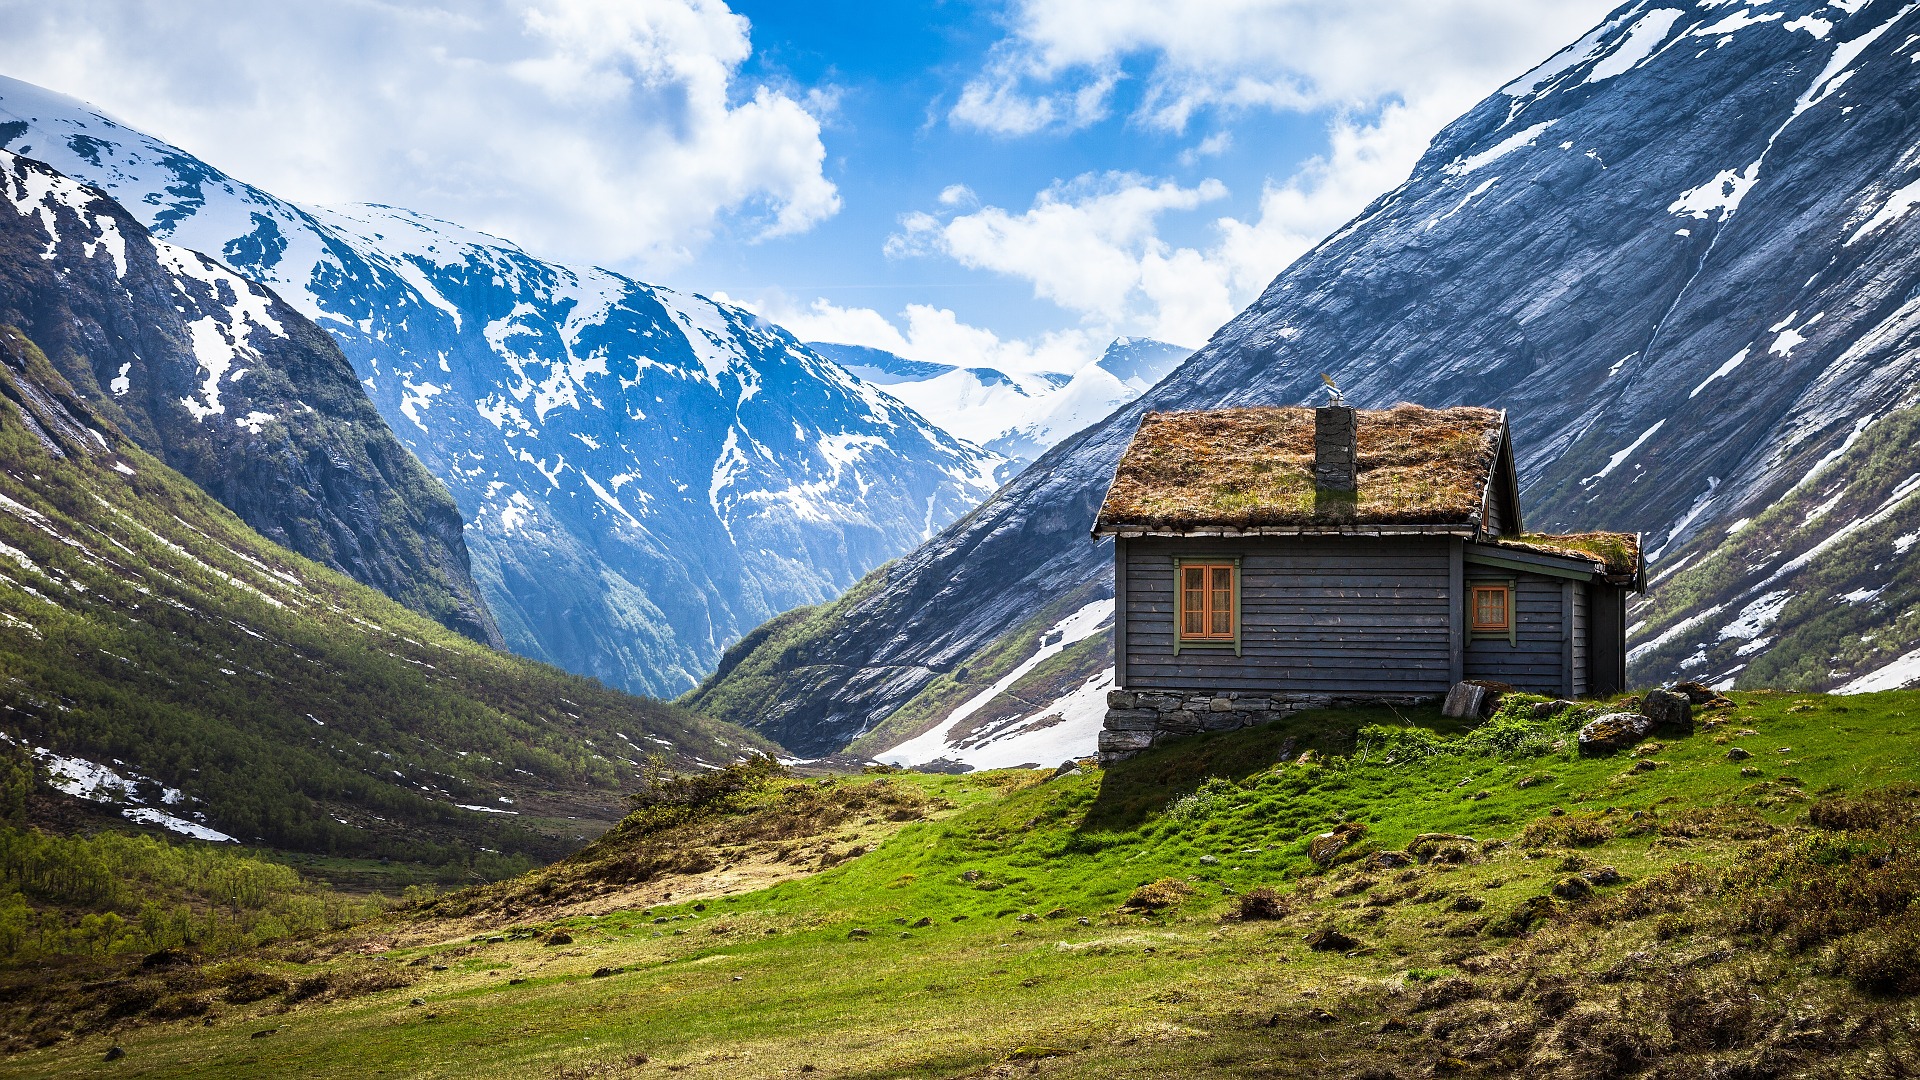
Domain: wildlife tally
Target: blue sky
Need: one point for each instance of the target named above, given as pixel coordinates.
(1009, 182)
(896, 72)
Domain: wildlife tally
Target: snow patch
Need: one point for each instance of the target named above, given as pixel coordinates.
(935, 744)
(1508, 145)
(1899, 674)
(1737, 359)
(147, 815)
(1645, 36)
(1621, 456)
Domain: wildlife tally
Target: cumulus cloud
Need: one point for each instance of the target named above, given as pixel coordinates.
(1385, 75)
(1092, 246)
(607, 130)
(1089, 245)
(1063, 59)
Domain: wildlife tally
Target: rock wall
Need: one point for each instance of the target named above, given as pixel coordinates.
(1141, 720)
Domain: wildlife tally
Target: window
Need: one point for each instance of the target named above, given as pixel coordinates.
(1207, 603)
(1492, 609)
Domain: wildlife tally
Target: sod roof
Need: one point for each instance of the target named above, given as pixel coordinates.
(1615, 555)
(1253, 467)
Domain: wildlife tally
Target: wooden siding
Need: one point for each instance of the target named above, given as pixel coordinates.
(1582, 652)
(1319, 615)
(1496, 505)
(1536, 657)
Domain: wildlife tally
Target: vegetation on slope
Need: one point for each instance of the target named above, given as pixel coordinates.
(1501, 906)
(145, 629)
(1818, 589)
(1048, 681)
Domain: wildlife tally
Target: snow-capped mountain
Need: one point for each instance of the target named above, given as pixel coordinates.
(1016, 415)
(646, 474)
(219, 378)
(1682, 253)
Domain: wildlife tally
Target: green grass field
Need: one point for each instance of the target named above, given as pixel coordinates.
(1731, 917)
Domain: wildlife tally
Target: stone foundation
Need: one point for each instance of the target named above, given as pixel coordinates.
(1141, 719)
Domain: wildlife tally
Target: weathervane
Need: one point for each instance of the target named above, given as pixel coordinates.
(1333, 390)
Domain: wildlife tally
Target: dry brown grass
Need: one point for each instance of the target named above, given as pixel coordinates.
(1254, 466)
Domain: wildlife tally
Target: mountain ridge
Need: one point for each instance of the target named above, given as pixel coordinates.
(169, 663)
(1699, 167)
(646, 475)
(220, 378)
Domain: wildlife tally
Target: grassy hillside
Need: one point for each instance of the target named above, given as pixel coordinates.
(188, 670)
(1502, 907)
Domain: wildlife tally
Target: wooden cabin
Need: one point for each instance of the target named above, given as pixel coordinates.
(1272, 559)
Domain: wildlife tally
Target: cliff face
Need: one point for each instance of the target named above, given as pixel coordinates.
(226, 383)
(1680, 253)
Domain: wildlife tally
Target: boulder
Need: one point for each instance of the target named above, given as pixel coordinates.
(559, 937)
(1669, 711)
(1737, 753)
(1696, 693)
(1387, 860)
(1328, 845)
(1465, 701)
(1613, 733)
(1120, 699)
(1546, 709)
(1605, 875)
(1429, 842)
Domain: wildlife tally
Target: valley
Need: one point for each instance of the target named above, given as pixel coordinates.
(426, 651)
(1496, 902)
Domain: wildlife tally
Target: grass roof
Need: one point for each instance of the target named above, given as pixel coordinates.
(1618, 554)
(1251, 467)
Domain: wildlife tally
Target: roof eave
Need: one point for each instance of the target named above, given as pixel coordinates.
(1131, 530)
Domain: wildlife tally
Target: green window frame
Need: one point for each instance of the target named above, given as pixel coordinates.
(1210, 641)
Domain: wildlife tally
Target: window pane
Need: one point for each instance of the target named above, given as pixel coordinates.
(1490, 609)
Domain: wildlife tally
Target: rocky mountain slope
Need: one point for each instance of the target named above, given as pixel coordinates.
(1680, 252)
(646, 475)
(171, 665)
(1018, 416)
(222, 380)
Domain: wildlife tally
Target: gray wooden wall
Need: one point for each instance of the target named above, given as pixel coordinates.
(1582, 638)
(1536, 659)
(1319, 615)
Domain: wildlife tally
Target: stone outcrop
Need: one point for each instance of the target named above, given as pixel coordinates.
(1613, 733)
(1670, 712)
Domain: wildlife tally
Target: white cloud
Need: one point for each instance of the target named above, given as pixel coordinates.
(1385, 76)
(604, 130)
(936, 335)
(1091, 246)
(1063, 59)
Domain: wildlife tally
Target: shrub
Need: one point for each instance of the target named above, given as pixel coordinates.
(1885, 959)
(1165, 893)
(1263, 903)
(1201, 802)
(1567, 830)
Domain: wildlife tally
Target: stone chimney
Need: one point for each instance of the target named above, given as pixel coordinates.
(1336, 448)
